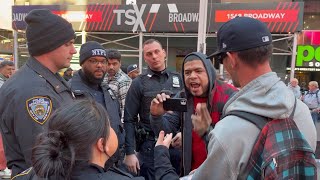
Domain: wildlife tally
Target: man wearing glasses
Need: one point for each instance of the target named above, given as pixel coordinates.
(87, 82)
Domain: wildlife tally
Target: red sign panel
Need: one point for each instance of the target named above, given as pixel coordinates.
(262, 15)
(79, 16)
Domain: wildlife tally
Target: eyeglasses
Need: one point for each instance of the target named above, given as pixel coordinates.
(220, 57)
(95, 62)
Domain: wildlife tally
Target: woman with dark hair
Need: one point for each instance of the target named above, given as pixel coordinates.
(76, 145)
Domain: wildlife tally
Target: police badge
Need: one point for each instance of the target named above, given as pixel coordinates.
(39, 108)
(175, 81)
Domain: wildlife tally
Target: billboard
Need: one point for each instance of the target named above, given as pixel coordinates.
(176, 18)
(308, 56)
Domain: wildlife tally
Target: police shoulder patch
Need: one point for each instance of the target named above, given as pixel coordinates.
(39, 108)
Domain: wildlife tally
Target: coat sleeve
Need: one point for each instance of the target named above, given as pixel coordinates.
(162, 164)
(169, 123)
(131, 111)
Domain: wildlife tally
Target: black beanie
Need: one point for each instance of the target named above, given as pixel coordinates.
(46, 31)
(90, 49)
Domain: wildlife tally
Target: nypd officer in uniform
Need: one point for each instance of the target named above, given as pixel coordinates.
(140, 94)
(30, 95)
(87, 81)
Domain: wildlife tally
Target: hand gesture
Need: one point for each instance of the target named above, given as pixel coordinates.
(201, 120)
(177, 141)
(164, 140)
(132, 163)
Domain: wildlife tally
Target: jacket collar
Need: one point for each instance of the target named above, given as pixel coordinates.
(56, 81)
(3, 77)
(151, 73)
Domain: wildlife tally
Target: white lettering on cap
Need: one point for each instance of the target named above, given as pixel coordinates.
(265, 39)
(98, 52)
(224, 45)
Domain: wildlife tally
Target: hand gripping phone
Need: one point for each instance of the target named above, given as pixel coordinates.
(175, 104)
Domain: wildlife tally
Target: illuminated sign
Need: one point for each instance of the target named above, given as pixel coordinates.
(308, 56)
(171, 17)
(305, 69)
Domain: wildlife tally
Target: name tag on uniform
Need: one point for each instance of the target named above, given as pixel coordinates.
(39, 108)
(175, 81)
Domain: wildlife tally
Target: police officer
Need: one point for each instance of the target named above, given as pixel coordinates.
(142, 90)
(93, 60)
(30, 95)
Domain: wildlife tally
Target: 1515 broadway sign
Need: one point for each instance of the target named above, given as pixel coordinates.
(308, 56)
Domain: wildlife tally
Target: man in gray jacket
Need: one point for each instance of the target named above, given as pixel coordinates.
(245, 48)
(6, 70)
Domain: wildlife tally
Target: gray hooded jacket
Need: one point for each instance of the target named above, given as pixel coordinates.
(232, 139)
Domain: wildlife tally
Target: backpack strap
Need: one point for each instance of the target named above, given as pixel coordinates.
(259, 121)
(317, 96)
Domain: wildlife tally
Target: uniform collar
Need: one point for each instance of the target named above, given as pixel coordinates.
(151, 73)
(58, 83)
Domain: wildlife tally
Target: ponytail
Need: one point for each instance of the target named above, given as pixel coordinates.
(52, 156)
(68, 140)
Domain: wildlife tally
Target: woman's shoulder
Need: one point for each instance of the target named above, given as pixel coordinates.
(112, 173)
(121, 175)
(25, 175)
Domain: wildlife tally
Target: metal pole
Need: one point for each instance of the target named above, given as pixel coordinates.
(15, 49)
(294, 55)
(167, 52)
(140, 50)
(202, 26)
(83, 37)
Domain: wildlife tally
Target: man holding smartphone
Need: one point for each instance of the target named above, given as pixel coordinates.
(140, 139)
(201, 87)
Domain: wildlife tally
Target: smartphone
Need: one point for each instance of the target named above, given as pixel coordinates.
(175, 104)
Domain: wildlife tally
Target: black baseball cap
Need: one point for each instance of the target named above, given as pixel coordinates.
(241, 33)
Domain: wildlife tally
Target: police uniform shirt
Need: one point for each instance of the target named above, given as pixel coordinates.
(26, 102)
(142, 90)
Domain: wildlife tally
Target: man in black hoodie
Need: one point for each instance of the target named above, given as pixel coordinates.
(201, 89)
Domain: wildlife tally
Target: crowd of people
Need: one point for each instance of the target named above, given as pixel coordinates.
(100, 122)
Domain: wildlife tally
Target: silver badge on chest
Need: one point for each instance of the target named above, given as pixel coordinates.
(175, 81)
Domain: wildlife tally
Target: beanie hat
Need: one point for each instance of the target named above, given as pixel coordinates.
(90, 49)
(131, 68)
(46, 31)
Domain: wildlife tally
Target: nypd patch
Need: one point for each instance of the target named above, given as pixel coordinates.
(39, 108)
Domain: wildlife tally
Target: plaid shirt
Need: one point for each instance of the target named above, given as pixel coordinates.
(120, 84)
